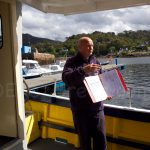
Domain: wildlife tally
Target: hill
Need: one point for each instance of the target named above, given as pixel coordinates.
(32, 40)
(121, 44)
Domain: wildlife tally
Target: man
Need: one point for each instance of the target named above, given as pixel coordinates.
(88, 116)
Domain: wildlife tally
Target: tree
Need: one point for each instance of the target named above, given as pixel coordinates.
(104, 43)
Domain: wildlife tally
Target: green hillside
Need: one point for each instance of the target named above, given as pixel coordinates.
(104, 43)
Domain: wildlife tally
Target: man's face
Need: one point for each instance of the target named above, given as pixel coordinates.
(86, 47)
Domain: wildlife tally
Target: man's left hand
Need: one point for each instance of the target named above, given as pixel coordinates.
(109, 98)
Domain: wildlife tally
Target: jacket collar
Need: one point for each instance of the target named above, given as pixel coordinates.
(80, 57)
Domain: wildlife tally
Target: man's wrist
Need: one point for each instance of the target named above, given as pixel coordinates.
(81, 70)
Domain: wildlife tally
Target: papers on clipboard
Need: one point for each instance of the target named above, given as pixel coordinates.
(109, 83)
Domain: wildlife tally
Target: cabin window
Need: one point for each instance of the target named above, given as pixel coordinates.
(54, 67)
(1, 33)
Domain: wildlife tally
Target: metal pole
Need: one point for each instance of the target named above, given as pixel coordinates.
(130, 97)
(55, 87)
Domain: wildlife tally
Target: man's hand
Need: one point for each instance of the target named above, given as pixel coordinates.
(91, 68)
(109, 98)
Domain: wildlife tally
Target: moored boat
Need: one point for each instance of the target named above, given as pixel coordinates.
(34, 67)
(28, 75)
(55, 69)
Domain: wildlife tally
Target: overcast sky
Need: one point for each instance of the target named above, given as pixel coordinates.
(58, 27)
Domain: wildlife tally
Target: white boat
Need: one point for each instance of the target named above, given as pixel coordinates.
(61, 63)
(27, 74)
(55, 69)
(34, 67)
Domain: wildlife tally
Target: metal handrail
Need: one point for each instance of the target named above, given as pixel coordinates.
(130, 96)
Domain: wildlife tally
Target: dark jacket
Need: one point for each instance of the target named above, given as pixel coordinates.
(73, 75)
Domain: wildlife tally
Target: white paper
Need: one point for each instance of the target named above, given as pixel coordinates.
(105, 85)
(112, 83)
(95, 88)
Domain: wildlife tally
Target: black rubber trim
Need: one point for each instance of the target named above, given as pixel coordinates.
(109, 111)
(128, 143)
(59, 127)
(109, 138)
(127, 114)
(49, 100)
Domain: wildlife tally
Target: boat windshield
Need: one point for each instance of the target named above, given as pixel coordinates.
(24, 71)
(54, 68)
(37, 66)
(32, 65)
(62, 64)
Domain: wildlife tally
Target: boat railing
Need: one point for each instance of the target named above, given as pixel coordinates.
(130, 96)
(55, 87)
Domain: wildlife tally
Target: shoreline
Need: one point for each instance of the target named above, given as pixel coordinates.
(129, 55)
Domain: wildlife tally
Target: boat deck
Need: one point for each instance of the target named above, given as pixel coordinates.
(47, 144)
(44, 79)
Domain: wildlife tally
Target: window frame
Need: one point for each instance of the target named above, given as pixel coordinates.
(1, 24)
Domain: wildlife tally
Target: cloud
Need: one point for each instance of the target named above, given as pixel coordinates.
(58, 27)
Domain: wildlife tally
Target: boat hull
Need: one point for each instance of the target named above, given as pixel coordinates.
(126, 128)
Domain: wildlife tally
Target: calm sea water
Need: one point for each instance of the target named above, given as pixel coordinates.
(137, 76)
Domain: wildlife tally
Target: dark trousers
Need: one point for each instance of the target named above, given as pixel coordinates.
(90, 125)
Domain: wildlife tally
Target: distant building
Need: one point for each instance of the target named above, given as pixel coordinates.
(26, 49)
(42, 58)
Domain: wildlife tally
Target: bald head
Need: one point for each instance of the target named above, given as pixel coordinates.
(85, 46)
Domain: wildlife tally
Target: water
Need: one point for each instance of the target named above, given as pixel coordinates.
(137, 77)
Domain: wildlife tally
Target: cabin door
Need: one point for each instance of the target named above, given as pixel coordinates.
(8, 125)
